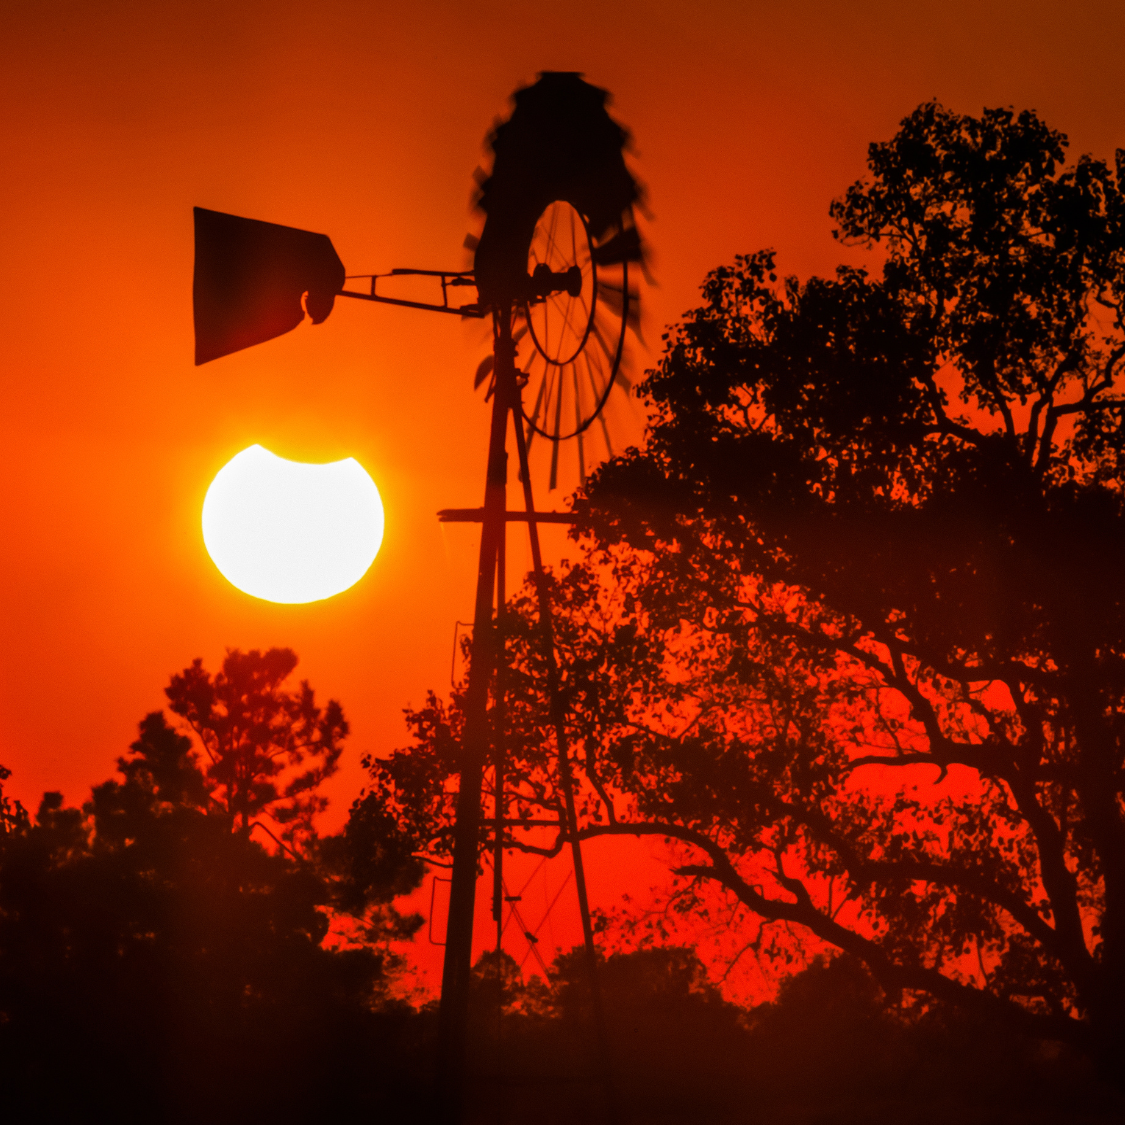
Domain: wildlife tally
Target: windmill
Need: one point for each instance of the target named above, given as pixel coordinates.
(552, 272)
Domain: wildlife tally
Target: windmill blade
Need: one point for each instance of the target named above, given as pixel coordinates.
(484, 369)
(534, 418)
(613, 297)
(608, 350)
(578, 425)
(250, 277)
(553, 482)
(554, 479)
(624, 246)
(559, 143)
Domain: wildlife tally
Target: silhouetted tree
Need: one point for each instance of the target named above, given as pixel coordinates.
(853, 627)
(254, 730)
(157, 965)
(13, 816)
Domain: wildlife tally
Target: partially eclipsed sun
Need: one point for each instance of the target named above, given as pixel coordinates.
(287, 531)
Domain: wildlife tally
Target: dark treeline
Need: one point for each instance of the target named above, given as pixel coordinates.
(160, 964)
(829, 1048)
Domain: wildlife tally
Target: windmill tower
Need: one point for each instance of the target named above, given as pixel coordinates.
(552, 273)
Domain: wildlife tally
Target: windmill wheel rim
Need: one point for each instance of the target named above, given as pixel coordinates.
(542, 346)
(581, 426)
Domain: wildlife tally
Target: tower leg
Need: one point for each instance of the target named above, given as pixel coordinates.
(456, 971)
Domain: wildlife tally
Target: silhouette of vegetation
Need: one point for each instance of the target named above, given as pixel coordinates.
(253, 730)
(850, 628)
(159, 964)
(13, 816)
(828, 1049)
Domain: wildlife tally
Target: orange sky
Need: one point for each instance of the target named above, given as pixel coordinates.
(365, 120)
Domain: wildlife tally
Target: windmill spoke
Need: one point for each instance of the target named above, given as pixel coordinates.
(539, 399)
(556, 438)
(578, 338)
(566, 316)
(578, 421)
(533, 427)
(602, 342)
(581, 299)
(593, 374)
(551, 233)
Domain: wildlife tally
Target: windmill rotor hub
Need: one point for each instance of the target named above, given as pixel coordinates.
(544, 282)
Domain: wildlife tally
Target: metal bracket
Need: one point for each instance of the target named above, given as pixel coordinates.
(476, 515)
(449, 279)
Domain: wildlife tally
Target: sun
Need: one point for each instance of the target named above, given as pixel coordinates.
(287, 531)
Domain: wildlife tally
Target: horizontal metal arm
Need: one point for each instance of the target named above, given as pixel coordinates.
(476, 515)
(463, 310)
(449, 278)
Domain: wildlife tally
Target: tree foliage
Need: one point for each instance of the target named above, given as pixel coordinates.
(158, 964)
(268, 747)
(851, 626)
(826, 1049)
(13, 816)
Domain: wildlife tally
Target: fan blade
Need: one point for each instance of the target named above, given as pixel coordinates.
(624, 246)
(603, 343)
(578, 420)
(538, 403)
(484, 369)
(553, 482)
(531, 432)
(555, 439)
(613, 296)
(250, 277)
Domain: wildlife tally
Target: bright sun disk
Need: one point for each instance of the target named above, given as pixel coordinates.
(287, 531)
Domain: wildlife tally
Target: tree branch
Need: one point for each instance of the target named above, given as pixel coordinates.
(892, 975)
